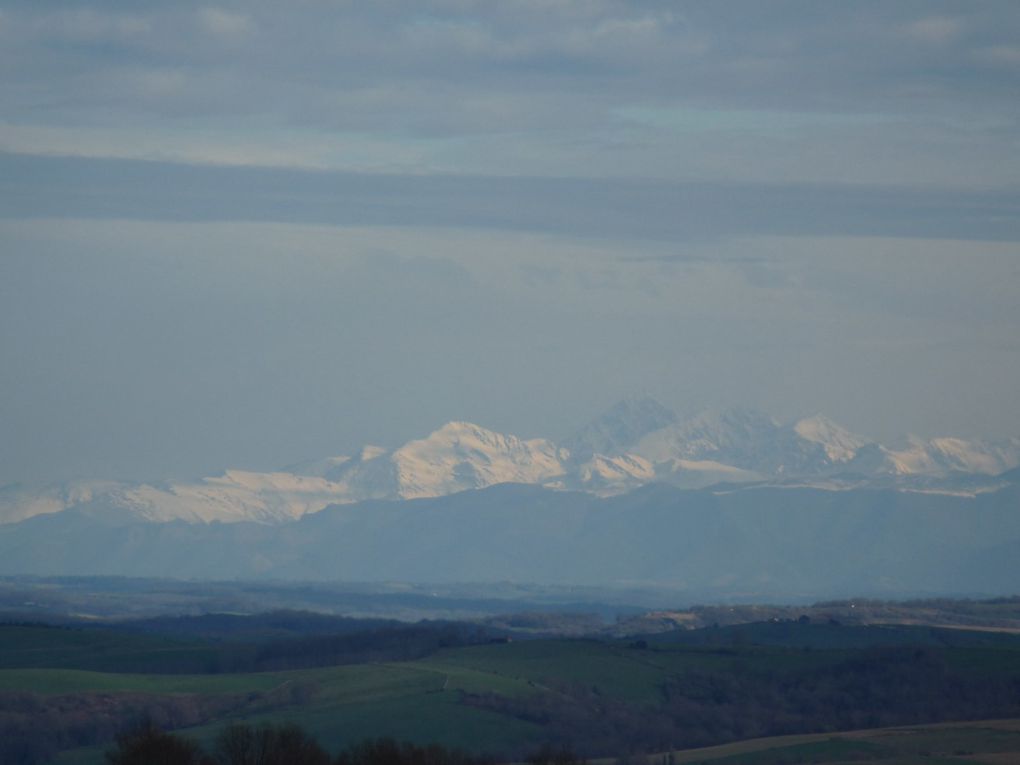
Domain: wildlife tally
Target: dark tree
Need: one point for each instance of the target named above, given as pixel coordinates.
(387, 751)
(241, 744)
(550, 755)
(147, 745)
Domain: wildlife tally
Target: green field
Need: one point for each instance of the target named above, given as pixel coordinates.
(427, 700)
(107, 650)
(62, 681)
(994, 742)
(415, 701)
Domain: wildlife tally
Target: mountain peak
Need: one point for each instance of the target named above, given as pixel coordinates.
(462, 455)
(721, 429)
(636, 441)
(370, 452)
(461, 431)
(738, 437)
(618, 429)
(839, 443)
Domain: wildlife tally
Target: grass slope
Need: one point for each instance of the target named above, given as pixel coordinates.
(981, 741)
(421, 700)
(417, 701)
(23, 646)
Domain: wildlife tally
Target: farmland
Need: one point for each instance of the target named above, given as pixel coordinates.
(665, 692)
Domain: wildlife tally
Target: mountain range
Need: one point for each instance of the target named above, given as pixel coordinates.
(737, 543)
(636, 443)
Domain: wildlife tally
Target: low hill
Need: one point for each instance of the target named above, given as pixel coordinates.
(599, 697)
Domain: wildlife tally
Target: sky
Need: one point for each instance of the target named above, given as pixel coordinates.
(250, 234)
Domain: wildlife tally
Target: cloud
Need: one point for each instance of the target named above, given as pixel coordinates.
(90, 25)
(442, 207)
(225, 24)
(417, 273)
(40, 187)
(874, 92)
(1008, 55)
(935, 29)
(593, 57)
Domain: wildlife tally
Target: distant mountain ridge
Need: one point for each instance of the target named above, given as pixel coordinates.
(635, 443)
(744, 543)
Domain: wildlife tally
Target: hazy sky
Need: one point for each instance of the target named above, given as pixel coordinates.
(247, 234)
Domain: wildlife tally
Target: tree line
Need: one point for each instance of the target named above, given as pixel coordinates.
(288, 744)
(873, 688)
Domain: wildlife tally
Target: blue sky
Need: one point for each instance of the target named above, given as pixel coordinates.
(245, 234)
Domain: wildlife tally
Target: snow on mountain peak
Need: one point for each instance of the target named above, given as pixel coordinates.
(462, 455)
(942, 456)
(457, 431)
(620, 428)
(839, 443)
(371, 452)
(754, 441)
(728, 436)
(636, 442)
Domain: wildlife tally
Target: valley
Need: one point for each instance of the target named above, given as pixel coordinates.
(486, 691)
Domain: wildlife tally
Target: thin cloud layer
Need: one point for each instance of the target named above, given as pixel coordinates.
(603, 88)
(250, 233)
(49, 187)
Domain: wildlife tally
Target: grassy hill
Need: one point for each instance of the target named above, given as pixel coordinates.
(991, 742)
(666, 692)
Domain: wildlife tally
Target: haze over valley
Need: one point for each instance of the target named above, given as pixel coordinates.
(726, 505)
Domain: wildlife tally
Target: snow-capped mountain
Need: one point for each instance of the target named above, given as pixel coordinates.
(456, 457)
(236, 495)
(943, 457)
(619, 429)
(636, 442)
(839, 444)
(753, 442)
(19, 502)
(601, 474)
(763, 543)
